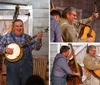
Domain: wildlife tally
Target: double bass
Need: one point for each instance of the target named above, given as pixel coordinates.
(75, 67)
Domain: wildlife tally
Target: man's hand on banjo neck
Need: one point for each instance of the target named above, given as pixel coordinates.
(39, 37)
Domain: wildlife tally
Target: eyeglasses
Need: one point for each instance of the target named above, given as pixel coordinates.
(73, 14)
(93, 50)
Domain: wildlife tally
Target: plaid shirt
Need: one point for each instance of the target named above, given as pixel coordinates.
(8, 38)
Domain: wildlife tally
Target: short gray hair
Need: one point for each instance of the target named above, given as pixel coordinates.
(68, 10)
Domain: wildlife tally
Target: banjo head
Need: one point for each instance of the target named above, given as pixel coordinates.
(17, 52)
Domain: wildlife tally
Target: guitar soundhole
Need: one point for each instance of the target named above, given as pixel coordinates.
(89, 35)
(81, 32)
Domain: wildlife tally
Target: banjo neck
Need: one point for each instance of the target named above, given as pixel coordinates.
(28, 40)
(31, 38)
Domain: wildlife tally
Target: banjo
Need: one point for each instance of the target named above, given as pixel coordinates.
(18, 49)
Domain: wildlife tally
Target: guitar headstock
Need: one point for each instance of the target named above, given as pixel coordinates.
(45, 30)
(95, 7)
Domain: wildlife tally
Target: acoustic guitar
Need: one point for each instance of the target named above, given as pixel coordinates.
(97, 72)
(87, 31)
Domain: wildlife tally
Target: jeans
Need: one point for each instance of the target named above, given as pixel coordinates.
(18, 72)
(58, 80)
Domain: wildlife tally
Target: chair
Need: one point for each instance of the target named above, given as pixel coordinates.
(40, 66)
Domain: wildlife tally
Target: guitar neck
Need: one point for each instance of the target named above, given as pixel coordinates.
(92, 24)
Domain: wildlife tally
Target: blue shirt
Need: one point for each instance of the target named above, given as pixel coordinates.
(11, 37)
(55, 30)
(60, 66)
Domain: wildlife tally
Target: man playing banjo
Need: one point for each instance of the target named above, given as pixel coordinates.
(19, 71)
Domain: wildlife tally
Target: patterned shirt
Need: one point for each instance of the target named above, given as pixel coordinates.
(11, 37)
